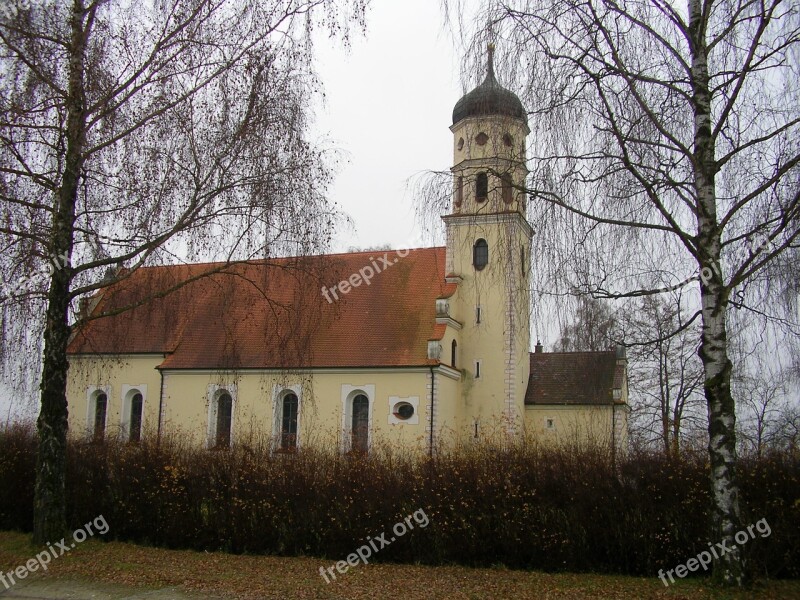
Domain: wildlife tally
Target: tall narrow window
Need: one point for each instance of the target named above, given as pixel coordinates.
(480, 254)
(453, 348)
(481, 187)
(522, 261)
(508, 190)
(100, 409)
(137, 405)
(289, 422)
(477, 369)
(360, 424)
(459, 190)
(224, 420)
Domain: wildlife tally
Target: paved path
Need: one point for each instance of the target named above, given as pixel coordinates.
(65, 589)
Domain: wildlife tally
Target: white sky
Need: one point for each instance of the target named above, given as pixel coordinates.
(389, 104)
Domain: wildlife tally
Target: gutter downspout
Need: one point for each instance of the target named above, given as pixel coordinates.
(613, 433)
(160, 407)
(433, 395)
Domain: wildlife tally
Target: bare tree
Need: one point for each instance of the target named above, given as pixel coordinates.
(788, 428)
(666, 142)
(762, 394)
(666, 376)
(134, 133)
(591, 329)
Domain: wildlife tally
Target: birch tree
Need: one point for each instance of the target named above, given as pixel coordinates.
(664, 154)
(138, 133)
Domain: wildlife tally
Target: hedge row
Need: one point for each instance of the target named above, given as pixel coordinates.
(523, 507)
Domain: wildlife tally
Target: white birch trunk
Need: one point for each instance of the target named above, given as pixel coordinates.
(729, 567)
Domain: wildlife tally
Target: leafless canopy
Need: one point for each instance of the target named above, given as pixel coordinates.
(193, 120)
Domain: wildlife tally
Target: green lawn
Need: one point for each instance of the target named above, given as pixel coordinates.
(259, 577)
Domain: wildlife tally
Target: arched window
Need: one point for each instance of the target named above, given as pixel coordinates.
(224, 420)
(481, 187)
(100, 410)
(289, 422)
(507, 188)
(360, 424)
(480, 254)
(459, 190)
(453, 348)
(137, 405)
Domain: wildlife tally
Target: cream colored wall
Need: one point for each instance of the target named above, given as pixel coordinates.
(187, 395)
(323, 397)
(449, 412)
(492, 288)
(577, 425)
(186, 405)
(114, 375)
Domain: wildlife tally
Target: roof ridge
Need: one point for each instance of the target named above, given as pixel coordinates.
(256, 261)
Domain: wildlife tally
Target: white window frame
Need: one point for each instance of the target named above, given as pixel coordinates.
(127, 393)
(349, 392)
(413, 401)
(550, 423)
(278, 394)
(213, 394)
(91, 407)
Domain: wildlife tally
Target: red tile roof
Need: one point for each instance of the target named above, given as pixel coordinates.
(273, 315)
(574, 378)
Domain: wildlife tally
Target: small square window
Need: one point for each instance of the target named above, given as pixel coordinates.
(549, 423)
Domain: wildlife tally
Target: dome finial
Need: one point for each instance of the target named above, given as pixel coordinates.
(489, 98)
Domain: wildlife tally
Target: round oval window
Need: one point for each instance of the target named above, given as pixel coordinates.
(403, 410)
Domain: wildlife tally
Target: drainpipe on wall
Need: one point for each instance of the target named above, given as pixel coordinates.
(433, 390)
(160, 407)
(613, 434)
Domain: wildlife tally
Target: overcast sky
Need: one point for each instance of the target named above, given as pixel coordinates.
(389, 104)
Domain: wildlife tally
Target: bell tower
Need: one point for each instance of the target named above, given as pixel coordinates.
(488, 245)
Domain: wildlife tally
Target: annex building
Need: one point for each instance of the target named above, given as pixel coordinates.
(416, 347)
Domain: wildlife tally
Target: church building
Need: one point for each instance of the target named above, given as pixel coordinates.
(420, 348)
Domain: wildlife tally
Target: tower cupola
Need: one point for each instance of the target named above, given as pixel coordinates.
(489, 128)
(489, 98)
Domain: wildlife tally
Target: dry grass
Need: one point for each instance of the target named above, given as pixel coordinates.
(267, 577)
